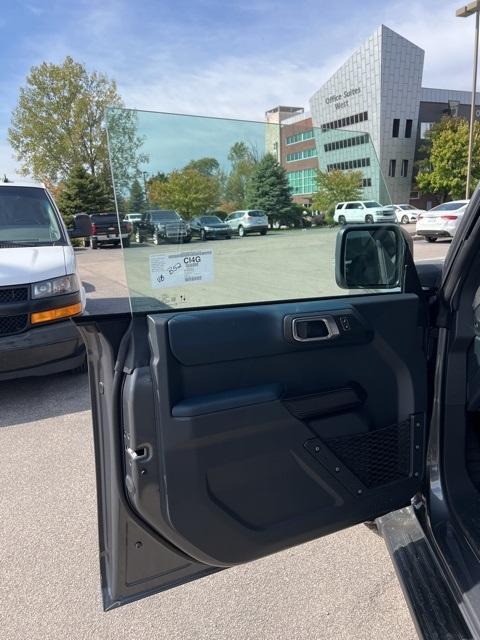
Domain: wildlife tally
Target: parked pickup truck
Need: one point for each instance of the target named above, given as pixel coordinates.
(162, 224)
(105, 230)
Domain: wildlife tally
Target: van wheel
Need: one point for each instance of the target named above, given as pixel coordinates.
(94, 243)
(369, 219)
(187, 239)
(431, 239)
(241, 231)
(342, 220)
(263, 232)
(405, 220)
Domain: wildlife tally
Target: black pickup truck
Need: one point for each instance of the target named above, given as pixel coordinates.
(105, 230)
(162, 224)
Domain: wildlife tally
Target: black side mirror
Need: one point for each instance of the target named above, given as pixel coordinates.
(371, 256)
(82, 226)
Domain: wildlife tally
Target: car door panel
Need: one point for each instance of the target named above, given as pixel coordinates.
(238, 440)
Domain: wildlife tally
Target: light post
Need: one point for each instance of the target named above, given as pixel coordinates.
(465, 12)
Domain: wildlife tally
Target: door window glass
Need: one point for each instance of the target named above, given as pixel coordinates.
(194, 166)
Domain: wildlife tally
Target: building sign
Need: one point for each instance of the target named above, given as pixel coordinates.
(341, 100)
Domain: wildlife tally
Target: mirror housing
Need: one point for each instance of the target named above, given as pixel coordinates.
(82, 226)
(372, 256)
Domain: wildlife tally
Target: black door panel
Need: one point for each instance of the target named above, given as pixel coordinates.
(239, 440)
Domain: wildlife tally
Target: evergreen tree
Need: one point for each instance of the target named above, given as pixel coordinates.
(82, 193)
(268, 189)
(137, 202)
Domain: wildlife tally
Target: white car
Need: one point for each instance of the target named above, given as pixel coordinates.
(441, 221)
(407, 213)
(40, 288)
(133, 217)
(368, 211)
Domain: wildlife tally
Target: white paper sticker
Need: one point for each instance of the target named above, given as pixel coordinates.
(179, 269)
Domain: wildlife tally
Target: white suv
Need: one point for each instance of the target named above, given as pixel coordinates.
(248, 221)
(368, 211)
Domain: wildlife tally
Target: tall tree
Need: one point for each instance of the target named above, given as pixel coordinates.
(243, 159)
(82, 193)
(58, 123)
(336, 186)
(205, 166)
(187, 191)
(268, 189)
(137, 202)
(443, 169)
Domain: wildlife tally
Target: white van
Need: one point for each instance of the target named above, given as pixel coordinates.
(40, 288)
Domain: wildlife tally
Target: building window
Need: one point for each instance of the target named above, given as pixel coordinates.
(404, 170)
(347, 165)
(408, 128)
(424, 128)
(300, 137)
(346, 142)
(302, 182)
(392, 167)
(366, 182)
(302, 155)
(396, 127)
(345, 122)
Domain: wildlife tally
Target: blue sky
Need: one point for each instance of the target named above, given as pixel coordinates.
(211, 57)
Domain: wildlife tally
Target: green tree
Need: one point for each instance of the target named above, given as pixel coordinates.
(205, 166)
(58, 124)
(336, 186)
(243, 159)
(443, 169)
(137, 202)
(268, 189)
(82, 193)
(187, 191)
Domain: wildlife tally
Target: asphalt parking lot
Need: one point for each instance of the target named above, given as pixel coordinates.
(342, 586)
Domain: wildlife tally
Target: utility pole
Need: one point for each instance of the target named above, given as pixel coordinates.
(465, 12)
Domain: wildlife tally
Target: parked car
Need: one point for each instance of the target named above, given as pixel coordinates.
(40, 289)
(206, 227)
(441, 221)
(248, 221)
(363, 211)
(105, 230)
(160, 225)
(407, 213)
(133, 218)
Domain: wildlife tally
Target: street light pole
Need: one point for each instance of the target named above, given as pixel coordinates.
(464, 12)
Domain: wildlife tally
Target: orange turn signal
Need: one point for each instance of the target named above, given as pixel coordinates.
(56, 314)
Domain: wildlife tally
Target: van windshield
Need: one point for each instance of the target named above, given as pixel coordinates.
(28, 218)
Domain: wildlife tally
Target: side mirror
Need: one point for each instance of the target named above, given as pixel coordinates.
(371, 256)
(82, 228)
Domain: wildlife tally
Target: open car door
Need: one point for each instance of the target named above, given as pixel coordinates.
(248, 403)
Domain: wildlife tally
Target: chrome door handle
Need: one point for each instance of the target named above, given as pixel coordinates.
(314, 328)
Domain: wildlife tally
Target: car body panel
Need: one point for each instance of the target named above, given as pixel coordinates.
(261, 457)
(442, 221)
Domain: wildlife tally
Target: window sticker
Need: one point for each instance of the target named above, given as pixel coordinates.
(179, 269)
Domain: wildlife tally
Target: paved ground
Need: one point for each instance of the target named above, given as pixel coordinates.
(342, 586)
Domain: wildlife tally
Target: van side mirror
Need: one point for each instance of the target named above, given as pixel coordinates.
(82, 226)
(371, 256)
